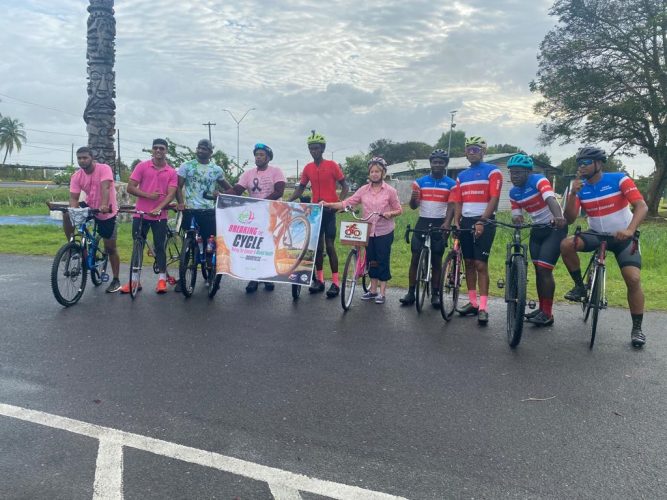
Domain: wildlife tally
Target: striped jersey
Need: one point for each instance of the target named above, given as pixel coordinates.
(532, 197)
(475, 186)
(433, 195)
(607, 202)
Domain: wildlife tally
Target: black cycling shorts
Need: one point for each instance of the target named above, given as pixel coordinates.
(545, 245)
(328, 227)
(622, 249)
(476, 248)
(438, 243)
(107, 228)
(205, 219)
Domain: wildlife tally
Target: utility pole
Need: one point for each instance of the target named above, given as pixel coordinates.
(71, 162)
(209, 125)
(451, 131)
(118, 163)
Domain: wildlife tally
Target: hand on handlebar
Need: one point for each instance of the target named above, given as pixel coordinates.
(624, 235)
(479, 228)
(559, 222)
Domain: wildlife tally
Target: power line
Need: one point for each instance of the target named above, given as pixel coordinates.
(38, 105)
(209, 125)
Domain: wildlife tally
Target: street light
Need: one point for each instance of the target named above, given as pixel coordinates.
(340, 149)
(451, 131)
(238, 126)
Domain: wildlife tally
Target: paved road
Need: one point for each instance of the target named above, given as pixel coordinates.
(378, 398)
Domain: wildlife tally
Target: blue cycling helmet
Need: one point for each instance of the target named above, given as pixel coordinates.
(520, 160)
(440, 154)
(264, 147)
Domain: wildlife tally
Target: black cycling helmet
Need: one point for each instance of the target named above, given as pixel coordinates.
(591, 153)
(439, 154)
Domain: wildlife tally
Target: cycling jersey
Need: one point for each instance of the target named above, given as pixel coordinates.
(323, 179)
(475, 186)
(532, 197)
(200, 179)
(607, 202)
(433, 195)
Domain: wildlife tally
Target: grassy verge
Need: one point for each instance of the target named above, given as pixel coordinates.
(29, 201)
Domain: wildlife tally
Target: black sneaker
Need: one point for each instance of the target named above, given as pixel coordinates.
(435, 301)
(408, 299)
(316, 287)
(251, 287)
(637, 337)
(482, 317)
(541, 319)
(333, 291)
(532, 314)
(468, 310)
(269, 287)
(114, 286)
(577, 294)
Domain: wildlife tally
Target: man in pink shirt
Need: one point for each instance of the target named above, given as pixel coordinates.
(154, 183)
(265, 182)
(96, 181)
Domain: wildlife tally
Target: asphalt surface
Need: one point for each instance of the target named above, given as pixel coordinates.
(379, 397)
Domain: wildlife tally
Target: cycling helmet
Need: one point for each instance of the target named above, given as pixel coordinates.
(206, 143)
(520, 160)
(315, 138)
(377, 160)
(591, 153)
(264, 147)
(475, 140)
(439, 154)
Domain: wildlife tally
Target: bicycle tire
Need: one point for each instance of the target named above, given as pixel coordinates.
(349, 282)
(213, 283)
(173, 246)
(588, 281)
(65, 283)
(422, 284)
(450, 284)
(596, 303)
(516, 300)
(136, 263)
(101, 262)
(302, 246)
(187, 270)
(296, 292)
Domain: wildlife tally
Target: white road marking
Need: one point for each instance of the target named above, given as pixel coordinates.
(112, 440)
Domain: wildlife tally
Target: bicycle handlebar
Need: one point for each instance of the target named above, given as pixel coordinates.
(350, 210)
(430, 230)
(518, 226)
(635, 239)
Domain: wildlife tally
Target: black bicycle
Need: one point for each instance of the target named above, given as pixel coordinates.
(424, 269)
(453, 269)
(516, 280)
(198, 252)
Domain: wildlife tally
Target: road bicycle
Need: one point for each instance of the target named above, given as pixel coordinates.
(356, 264)
(81, 255)
(516, 279)
(453, 270)
(198, 251)
(596, 284)
(424, 268)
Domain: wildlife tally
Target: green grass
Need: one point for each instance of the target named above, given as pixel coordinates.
(29, 201)
(45, 240)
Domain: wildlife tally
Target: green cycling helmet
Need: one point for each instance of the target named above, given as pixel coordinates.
(476, 140)
(315, 138)
(520, 160)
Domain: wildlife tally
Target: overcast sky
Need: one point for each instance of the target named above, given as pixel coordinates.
(354, 70)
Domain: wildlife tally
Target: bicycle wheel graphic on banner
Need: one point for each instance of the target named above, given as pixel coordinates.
(291, 245)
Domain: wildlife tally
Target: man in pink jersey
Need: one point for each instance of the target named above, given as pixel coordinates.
(154, 183)
(96, 181)
(265, 182)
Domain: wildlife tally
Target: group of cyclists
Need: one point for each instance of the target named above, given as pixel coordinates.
(467, 204)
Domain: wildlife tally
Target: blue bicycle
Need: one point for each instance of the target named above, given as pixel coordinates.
(198, 251)
(78, 257)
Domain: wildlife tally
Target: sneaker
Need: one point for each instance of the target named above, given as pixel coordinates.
(435, 301)
(408, 299)
(532, 314)
(482, 317)
(379, 299)
(126, 288)
(114, 286)
(540, 319)
(161, 287)
(369, 296)
(468, 310)
(269, 287)
(316, 287)
(251, 287)
(333, 291)
(637, 337)
(577, 294)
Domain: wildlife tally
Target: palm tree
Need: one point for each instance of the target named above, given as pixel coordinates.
(12, 135)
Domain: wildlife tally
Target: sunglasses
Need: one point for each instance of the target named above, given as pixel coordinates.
(159, 148)
(473, 149)
(585, 162)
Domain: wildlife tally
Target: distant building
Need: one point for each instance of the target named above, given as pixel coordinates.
(403, 173)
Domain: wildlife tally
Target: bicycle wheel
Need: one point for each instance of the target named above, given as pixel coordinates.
(595, 303)
(516, 300)
(365, 278)
(99, 269)
(68, 274)
(292, 245)
(349, 282)
(213, 279)
(589, 279)
(187, 270)
(136, 263)
(450, 283)
(173, 246)
(422, 284)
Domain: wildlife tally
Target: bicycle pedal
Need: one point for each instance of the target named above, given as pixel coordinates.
(501, 283)
(171, 280)
(532, 304)
(104, 277)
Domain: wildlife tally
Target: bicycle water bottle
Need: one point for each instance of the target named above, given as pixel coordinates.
(200, 244)
(210, 244)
